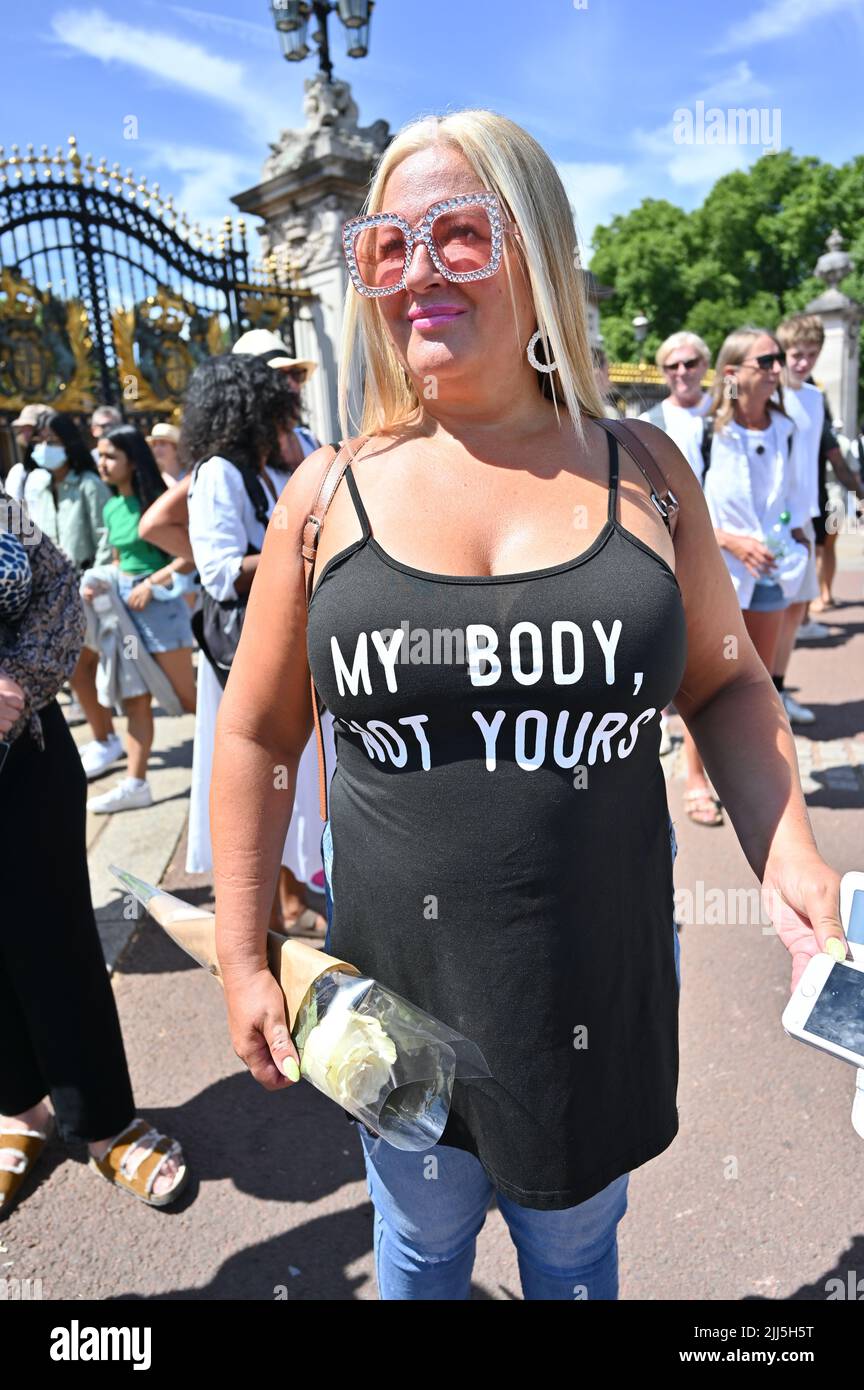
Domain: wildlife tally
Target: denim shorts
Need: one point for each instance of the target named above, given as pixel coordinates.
(767, 597)
(164, 625)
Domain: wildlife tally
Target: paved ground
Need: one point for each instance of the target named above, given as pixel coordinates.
(756, 1198)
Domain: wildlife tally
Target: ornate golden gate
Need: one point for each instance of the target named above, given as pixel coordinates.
(109, 296)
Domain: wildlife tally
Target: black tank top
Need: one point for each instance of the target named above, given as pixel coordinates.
(500, 835)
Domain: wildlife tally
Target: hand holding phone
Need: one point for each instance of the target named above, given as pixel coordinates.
(826, 1009)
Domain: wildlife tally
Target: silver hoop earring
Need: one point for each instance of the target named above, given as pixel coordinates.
(533, 358)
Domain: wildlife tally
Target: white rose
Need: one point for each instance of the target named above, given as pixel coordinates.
(348, 1056)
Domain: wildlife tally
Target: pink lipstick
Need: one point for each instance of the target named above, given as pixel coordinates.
(434, 315)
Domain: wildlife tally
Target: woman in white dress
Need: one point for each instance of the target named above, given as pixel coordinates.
(757, 486)
(238, 422)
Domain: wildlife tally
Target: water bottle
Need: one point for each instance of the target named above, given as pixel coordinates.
(777, 540)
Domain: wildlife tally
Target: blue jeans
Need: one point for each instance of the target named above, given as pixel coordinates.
(431, 1206)
(327, 862)
(425, 1247)
(673, 844)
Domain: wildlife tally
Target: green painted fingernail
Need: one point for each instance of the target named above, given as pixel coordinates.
(291, 1069)
(835, 948)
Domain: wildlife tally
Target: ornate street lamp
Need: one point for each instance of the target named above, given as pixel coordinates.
(291, 18)
(640, 328)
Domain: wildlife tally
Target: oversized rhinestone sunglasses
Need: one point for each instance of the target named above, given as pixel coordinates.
(462, 235)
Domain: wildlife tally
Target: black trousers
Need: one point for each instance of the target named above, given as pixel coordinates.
(59, 1030)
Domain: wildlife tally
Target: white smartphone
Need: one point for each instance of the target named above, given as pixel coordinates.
(827, 1008)
(852, 912)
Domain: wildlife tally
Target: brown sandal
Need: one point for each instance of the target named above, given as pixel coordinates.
(705, 801)
(139, 1177)
(28, 1144)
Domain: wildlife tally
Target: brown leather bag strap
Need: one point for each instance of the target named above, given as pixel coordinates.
(661, 495)
(309, 548)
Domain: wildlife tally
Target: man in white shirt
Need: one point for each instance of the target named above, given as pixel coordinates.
(801, 336)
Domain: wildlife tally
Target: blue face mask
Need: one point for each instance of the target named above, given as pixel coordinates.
(50, 456)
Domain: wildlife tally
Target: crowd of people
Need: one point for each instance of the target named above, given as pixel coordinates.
(141, 534)
(762, 444)
(457, 510)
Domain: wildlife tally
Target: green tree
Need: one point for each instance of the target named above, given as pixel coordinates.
(745, 256)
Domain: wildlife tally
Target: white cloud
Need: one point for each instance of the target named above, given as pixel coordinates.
(697, 165)
(780, 19)
(736, 86)
(692, 165)
(174, 62)
(261, 35)
(597, 192)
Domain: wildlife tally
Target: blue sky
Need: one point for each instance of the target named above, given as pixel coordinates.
(598, 82)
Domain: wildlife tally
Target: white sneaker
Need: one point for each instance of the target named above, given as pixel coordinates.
(74, 713)
(126, 796)
(812, 632)
(798, 714)
(99, 754)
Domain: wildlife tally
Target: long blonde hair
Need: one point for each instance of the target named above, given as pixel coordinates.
(510, 163)
(733, 352)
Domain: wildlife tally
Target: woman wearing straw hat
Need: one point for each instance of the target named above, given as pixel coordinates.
(164, 440)
(269, 347)
(501, 850)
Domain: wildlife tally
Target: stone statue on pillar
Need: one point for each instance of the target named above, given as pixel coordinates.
(841, 318)
(313, 180)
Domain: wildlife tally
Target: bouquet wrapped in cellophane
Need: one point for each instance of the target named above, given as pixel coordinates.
(387, 1062)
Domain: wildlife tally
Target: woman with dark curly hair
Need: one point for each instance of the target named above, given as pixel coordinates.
(237, 418)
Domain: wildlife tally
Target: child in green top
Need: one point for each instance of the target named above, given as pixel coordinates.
(121, 516)
(127, 464)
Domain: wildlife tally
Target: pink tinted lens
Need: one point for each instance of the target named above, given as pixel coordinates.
(380, 255)
(463, 239)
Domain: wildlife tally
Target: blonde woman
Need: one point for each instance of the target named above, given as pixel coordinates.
(757, 485)
(498, 822)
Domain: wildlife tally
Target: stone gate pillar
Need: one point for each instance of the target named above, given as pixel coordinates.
(313, 181)
(841, 316)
